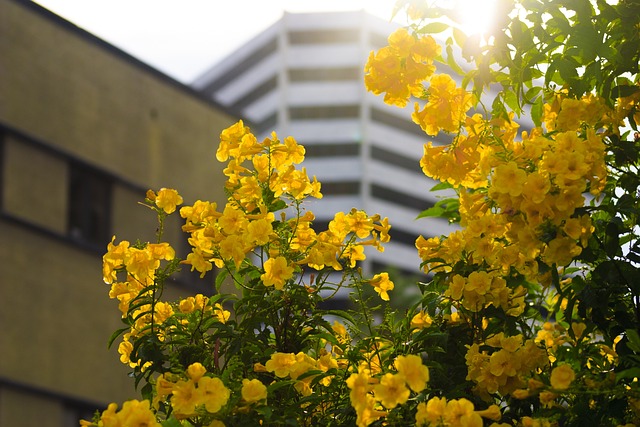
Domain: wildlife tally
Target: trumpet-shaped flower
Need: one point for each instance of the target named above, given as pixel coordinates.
(414, 372)
(562, 376)
(381, 284)
(391, 391)
(253, 390)
(212, 393)
(168, 199)
(276, 272)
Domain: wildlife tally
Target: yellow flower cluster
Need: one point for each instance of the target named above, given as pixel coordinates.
(292, 365)
(262, 179)
(481, 289)
(439, 411)
(133, 413)
(370, 395)
(399, 69)
(446, 108)
(197, 394)
(140, 263)
(517, 204)
(506, 367)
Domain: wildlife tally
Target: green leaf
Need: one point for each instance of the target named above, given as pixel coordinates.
(278, 384)
(451, 61)
(622, 91)
(115, 335)
(434, 211)
(171, 422)
(441, 186)
(537, 110)
(434, 28)
(634, 340)
(459, 36)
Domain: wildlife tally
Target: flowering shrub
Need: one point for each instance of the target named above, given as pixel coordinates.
(530, 314)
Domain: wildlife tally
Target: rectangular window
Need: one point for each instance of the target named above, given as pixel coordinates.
(324, 36)
(333, 149)
(400, 199)
(89, 214)
(324, 112)
(2, 167)
(324, 74)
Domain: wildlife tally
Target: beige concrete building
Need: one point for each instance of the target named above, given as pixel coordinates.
(85, 129)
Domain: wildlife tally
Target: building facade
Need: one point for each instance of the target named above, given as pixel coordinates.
(85, 130)
(303, 77)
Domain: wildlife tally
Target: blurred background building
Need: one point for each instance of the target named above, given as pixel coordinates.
(303, 77)
(85, 129)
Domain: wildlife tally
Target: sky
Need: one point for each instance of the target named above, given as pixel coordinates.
(183, 38)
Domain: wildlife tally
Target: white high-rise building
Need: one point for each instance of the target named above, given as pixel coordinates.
(303, 77)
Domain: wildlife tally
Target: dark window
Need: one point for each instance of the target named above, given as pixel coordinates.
(323, 36)
(2, 157)
(244, 65)
(405, 125)
(89, 205)
(255, 94)
(323, 74)
(400, 123)
(340, 188)
(398, 198)
(331, 150)
(402, 236)
(75, 411)
(395, 159)
(397, 273)
(324, 112)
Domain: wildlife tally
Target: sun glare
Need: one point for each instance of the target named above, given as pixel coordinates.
(477, 15)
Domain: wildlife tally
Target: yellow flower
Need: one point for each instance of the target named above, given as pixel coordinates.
(431, 412)
(492, 413)
(414, 372)
(233, 220)
(281, 363)
(561, 251)
(508, 178)
(456, 287)
(163, 311)
(113, 260)
(391, 391)
(141, 264)
(136, 414)
(212, 393)
(259, 232)
(222, 314)
(230, 139)
(461, 412)
(187, 305)
(233, 247)
(421, 320)
(536, 187)
(276, 272)
(381, 284)
(168, 199)
(360, 387)
(196, 371)
(184, 399)
(446, 108)
(253, 390)
(399, 70)
(562, 377)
